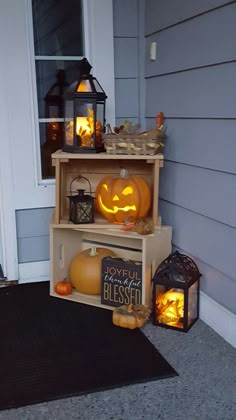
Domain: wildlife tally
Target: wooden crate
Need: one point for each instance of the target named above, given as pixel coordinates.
(66, 243)
(95, 166)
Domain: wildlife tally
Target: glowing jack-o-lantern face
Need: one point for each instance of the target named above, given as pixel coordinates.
(122, 197)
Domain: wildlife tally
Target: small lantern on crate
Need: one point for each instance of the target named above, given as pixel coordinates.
(176, 292)
(84, 113)
(81, 205)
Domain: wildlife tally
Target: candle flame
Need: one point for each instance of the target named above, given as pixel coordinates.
(85, 129)
(83, 126)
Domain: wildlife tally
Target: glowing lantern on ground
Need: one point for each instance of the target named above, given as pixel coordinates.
(176, 293)
(123, 197)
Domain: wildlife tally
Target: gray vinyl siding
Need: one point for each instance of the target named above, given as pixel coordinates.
(193, 83)
(33, 234)
(129, 68)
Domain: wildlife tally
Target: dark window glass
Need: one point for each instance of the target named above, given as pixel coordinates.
(58, 31)
(52, 78)
(58, 27)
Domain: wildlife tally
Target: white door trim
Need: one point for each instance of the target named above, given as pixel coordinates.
(9, 255)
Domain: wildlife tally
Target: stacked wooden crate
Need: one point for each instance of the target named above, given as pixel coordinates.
(68, 239)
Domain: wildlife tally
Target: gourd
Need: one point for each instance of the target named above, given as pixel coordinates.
(131, 316)
(86, 270)
(123, 197)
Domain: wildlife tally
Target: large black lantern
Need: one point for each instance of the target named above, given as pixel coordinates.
(84, 113)
(176, 292)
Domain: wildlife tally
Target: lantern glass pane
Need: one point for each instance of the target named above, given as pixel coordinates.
(100, 121)
(100, 114)
(84, 86)
(97, 86)
(84, 124)
(69, 122)
(192, 303)
(169, 306)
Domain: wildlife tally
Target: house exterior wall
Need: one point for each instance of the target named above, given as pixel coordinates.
(128, 60)
(193, 83)
(33, 234)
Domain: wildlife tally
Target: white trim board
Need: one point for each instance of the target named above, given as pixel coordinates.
(34, 272)
(220, 319)
(216, 316)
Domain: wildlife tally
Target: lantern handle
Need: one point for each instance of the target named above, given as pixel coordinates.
(80, 177)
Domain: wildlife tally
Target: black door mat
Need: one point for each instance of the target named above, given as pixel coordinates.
(53, 348)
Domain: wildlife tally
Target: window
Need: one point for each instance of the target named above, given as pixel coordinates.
(22, 103)
(58, 31)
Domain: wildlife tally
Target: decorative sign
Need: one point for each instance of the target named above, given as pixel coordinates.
(121, 281)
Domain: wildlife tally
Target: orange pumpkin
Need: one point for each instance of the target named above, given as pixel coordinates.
(86, 270)
(63, 287)
(123, 197)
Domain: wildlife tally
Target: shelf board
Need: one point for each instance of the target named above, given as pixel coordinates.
(59, 154)
(77, 297)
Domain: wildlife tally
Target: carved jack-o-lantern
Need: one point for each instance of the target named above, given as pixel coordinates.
(122, 197)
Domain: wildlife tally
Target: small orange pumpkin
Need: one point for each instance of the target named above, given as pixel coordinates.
(123, 197)
(63, 287)
(86, 270)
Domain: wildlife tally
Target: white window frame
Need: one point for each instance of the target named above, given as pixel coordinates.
(87, 10)
(98, 16)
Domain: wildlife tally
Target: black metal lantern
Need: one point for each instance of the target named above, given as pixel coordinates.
(84, 113)
(81, 205)
(176, 292)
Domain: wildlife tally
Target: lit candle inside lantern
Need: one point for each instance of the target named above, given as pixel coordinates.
(170, 307)
(85, 128)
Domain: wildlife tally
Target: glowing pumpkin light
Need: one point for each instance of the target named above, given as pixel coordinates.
(122, 197)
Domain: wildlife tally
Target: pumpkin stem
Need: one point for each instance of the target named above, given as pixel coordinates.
(124, 173)
(93, 251)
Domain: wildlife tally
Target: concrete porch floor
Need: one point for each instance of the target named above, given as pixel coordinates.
(205, 388)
